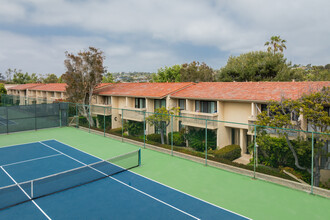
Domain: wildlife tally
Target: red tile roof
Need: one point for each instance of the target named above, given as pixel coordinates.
(25, 86)
(55, 87)
(102, 85)
(155, 90)
(249, 91)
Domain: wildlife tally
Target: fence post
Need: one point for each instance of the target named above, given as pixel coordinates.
(122, 125)
(172, 135)
(77, 116)
(104, 121)
(60, 112)
(255, 150)
(7, 119)
(144, 129)
(206, 142)
(35, 115)
(312, 166)
(89, 116)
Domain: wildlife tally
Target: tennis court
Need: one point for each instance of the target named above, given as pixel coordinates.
(52, 180)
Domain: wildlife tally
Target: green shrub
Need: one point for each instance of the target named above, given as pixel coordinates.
(116, 131)
(84, 122)
(100, 119)
(229, 152)
(134, 128)
(154, 138)
(196, 139)
(178, 139)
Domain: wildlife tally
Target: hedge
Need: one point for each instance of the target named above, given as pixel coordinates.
(229, 152)
(178, 138)
(185, 150)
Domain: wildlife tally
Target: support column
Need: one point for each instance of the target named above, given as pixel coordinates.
(242, 140)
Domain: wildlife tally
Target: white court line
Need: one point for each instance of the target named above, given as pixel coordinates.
(38, 158)
(219, 207)
(124, 183)
(15, 145)
(25, 193)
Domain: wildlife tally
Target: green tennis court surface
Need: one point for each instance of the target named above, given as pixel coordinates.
(255, 199)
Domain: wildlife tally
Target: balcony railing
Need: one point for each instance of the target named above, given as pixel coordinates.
(134, 114)
(98, 109)
(197, 119)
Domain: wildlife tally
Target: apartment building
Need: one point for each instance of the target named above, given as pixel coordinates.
(236, 104)
(136, 99)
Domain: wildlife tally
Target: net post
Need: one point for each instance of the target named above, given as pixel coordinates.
(122, 125)
(139, 157)
(206, 142)
(172, 135)
(255, 150)
(144, 129)
(312, 164)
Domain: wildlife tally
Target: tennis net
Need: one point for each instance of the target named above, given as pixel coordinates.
(22, 192)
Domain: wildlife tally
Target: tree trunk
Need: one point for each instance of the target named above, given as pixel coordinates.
(296, 161)
(162, 135)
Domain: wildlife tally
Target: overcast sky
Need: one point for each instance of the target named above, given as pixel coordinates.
(144, 35)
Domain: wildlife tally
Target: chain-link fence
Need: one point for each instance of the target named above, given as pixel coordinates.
(280, 155)
(32, 117)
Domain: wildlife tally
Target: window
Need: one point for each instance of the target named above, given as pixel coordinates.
(160, 103)
(264, 107)
(182, 104)
(107, 100)
(205, 106)
(140, 103)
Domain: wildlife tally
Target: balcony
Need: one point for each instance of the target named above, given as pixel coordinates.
(98, 109)
(194, 119)
(133, 114)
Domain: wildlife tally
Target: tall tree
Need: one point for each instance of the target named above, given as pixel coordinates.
(161, 119)
(9, 73)
(311, 109)
(257, 66)
(34, 78)
(275, 44)
(21, 78)
(2, 77)
(168, 74)
(50, 78)
(2, 91)
(108, 78)
(196, 72)
(84, 73)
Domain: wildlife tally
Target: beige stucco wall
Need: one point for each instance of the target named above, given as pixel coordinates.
(236, 112)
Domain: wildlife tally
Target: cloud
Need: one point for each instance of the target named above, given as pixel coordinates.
(139, 35)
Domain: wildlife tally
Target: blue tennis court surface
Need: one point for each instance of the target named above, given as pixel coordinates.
(37, 170)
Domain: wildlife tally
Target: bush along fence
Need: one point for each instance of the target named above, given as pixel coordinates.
(295, 155)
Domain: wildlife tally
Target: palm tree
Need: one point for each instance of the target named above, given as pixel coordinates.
(275, 44)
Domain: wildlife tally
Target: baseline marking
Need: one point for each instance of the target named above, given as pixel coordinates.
(25, 193)
(124, 183)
